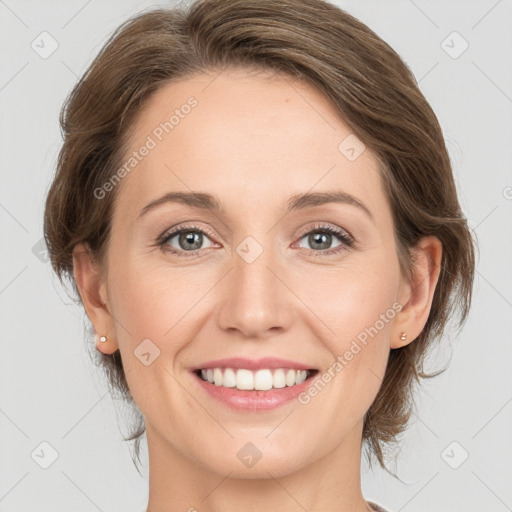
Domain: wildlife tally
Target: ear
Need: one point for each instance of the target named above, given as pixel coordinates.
(417, 295)
(93, 291)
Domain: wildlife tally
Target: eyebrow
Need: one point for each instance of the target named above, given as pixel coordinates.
(295, 202)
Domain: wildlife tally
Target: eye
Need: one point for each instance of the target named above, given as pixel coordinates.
(321, 238)
(186, 239)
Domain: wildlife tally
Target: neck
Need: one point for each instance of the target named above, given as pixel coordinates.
(330, 482)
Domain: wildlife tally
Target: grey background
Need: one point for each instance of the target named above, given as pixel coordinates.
(49, 390)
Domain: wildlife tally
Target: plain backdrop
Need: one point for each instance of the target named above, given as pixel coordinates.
(457, 454)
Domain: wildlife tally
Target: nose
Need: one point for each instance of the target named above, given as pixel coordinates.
(256, 300)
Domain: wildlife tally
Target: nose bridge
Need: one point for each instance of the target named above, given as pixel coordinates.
(254, 303)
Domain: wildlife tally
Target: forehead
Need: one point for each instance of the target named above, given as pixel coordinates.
(256, 134)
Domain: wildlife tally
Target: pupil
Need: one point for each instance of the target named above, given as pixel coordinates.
(190, 240)
(322, 239)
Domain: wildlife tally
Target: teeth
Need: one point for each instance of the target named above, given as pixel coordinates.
(217, 376)
(229, 379)
(301, 376)
(279, 379)
(263, 380)
(260, 380)
(244, 379)
(291, 377)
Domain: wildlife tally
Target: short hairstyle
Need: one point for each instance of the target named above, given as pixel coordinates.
(363, 78)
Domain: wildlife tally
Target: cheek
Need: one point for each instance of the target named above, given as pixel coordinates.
(357, 305)
(151, 306)
(355, 295)
(150, 300)
(154, 309)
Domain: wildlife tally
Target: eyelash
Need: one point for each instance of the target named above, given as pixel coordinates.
(346, 239)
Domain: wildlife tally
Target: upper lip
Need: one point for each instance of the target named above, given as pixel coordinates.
(253, 364)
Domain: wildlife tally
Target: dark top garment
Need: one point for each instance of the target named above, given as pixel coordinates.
(376, 507)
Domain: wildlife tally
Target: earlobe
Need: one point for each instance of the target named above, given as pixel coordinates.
(93, 293)
(427, 258)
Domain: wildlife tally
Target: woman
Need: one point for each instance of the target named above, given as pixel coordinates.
(256, 207)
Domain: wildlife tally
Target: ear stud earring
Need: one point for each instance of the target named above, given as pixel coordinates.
(103, 339)
(403, 336)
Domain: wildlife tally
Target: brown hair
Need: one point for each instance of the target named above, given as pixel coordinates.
(364, 79)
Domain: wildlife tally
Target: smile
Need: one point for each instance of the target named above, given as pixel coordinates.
(252, 391)
(260, 380)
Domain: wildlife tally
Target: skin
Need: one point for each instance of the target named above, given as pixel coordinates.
(253, 140)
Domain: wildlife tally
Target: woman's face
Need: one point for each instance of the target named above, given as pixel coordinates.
(251, 279)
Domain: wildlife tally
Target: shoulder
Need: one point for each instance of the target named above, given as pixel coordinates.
(376, 507)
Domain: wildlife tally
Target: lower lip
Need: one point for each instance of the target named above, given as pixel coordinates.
(254, 400)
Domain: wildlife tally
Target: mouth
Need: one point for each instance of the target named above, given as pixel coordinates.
(253, 385)
(264, 379)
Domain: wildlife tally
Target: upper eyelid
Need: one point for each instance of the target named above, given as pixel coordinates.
(326, 227)
(186, 227)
